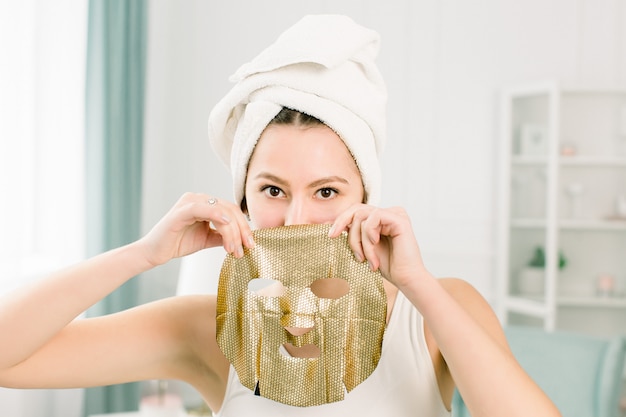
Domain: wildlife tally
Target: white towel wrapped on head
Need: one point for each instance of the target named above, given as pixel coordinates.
(322, 66)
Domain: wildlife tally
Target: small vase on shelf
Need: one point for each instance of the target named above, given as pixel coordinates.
(160, 401)
(531, 281)
(531, 278)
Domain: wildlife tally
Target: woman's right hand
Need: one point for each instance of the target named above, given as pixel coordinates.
(193, 224)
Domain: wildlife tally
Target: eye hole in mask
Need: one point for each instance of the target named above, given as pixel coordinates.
(266, 287)
(332, 288)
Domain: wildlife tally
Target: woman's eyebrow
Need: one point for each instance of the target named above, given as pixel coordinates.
(327, 180)
(271, 177)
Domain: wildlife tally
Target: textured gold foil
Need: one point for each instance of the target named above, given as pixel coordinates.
(348, 330)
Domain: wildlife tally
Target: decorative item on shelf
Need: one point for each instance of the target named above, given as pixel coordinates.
(605, 285)
(621, 144)
(531, 279)
(521, 192)
(575, 191)
(533, 139)
(568, 149)
(159, 401)
(620, 206)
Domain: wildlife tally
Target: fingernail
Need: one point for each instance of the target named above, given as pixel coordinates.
(251, 242)
(239, 251)
(369, 263)
(358, 256)
(332, 230)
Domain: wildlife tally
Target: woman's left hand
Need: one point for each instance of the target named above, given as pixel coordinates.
(384, 238)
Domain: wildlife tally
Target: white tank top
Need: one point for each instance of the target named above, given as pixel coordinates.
(403, 383)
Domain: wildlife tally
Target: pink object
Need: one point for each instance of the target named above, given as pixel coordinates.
(568, 150)
(167, 405)
(605, 284)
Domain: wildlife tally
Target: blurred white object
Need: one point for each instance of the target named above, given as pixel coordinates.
(531, 281)
(200, 272)
(620, 206)
(533, 139)
(622, 121)
(575, 191)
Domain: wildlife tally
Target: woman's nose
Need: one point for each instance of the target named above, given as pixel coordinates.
(297, 213)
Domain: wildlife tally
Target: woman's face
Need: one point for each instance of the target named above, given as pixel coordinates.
(300, 175)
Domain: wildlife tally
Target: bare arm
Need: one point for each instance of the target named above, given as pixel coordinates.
(140, 343)
(32, 315)
(474, 348)
(167, 339)
(463, 326)
(42, 345)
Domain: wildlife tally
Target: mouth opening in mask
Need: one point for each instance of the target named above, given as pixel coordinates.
(308, 351)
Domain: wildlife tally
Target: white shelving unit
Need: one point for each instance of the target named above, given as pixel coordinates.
(563, 168)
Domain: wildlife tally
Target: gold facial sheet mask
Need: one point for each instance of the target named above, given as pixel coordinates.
(346, 326)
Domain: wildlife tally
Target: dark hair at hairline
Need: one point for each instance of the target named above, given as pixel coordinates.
(291, 117)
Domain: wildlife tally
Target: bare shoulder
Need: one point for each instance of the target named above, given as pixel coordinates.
(194, 316)
(204, 366)
(481, 312)
(475, 304)
(459, 287)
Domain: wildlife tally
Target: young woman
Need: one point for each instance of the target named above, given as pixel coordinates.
(441, 334)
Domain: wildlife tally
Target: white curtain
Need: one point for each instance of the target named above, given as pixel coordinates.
(42, 68)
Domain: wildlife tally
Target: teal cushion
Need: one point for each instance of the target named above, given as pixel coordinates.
(581, 374)
(608, 391)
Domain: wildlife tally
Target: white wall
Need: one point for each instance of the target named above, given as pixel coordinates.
(444, 62)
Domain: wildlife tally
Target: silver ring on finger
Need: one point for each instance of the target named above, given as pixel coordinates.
(212, 201)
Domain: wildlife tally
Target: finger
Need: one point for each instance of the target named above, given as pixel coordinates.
(236, 232)
(354, 239)
(243, 230)
(358, 232)
(226, 218)
(343, 222)
(370, 238)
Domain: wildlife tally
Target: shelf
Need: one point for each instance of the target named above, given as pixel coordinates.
(590, 301)
(531, 307)
(573, 161)
(593, 161)
(535, 305)
(528, 223)
(571, 224)
(579, 140)
(529, 160)
(593, 225)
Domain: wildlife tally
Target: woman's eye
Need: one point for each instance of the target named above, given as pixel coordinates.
(273, 191)
(326, 193)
